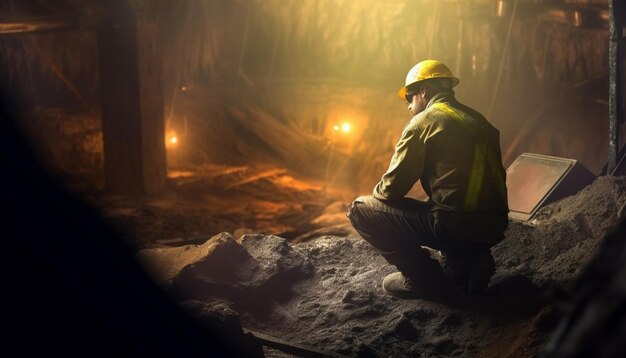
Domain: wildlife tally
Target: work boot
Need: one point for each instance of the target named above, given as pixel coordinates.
(399, 286)
(404, 287)
(419, 276)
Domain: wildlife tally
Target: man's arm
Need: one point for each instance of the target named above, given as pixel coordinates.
(405, 169)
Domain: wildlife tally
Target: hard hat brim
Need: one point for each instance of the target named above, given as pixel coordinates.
(403, 91)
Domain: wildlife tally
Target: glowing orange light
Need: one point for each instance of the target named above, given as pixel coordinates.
(171, 139)
(336, 128)
(346, 127)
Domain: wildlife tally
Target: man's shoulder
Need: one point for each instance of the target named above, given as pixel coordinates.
(432, 117)
(428, 116)
(426, 124)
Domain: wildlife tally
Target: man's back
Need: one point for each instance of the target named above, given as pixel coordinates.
(462, 167)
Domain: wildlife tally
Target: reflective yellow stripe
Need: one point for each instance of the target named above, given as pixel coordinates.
(494, 162)
(475, 183)
(482, 156)
(449, 111)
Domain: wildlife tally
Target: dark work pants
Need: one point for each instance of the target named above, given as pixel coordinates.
(398, 229)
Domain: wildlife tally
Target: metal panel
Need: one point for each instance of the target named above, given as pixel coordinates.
(534, 180)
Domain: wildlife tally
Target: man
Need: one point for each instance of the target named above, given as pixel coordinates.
(455, 153)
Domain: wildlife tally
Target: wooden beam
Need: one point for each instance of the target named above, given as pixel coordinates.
(132, 102)
(11, 27)
(616, 17)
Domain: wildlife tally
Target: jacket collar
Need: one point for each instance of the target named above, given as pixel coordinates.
(445, 97)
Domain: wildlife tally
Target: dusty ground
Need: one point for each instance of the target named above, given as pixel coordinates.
(235, 199)
(340, 306)
(344, 307)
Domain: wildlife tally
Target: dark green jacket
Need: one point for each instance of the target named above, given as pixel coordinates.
(455, 153)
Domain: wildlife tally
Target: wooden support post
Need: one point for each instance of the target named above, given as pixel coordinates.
(613, 132)
(132, 101)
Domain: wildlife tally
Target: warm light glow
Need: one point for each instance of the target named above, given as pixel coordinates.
(344, 129)
(500, 8)
(577, 18)
(171, 139)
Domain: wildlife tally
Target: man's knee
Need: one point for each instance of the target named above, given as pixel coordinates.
(366, 221)
(356, 210)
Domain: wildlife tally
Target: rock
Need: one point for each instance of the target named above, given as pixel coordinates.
(227, 263)
(260, 270)
(165, 264)
(239, 233)
(278, 261)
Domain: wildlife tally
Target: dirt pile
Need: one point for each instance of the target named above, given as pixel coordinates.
(341, 307)
(554, 246)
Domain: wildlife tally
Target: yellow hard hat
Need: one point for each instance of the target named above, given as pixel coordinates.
(426, 70)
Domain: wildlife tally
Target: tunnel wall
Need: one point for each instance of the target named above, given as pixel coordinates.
(305, 64)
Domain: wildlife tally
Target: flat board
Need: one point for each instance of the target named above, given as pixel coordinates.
(530, 179)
